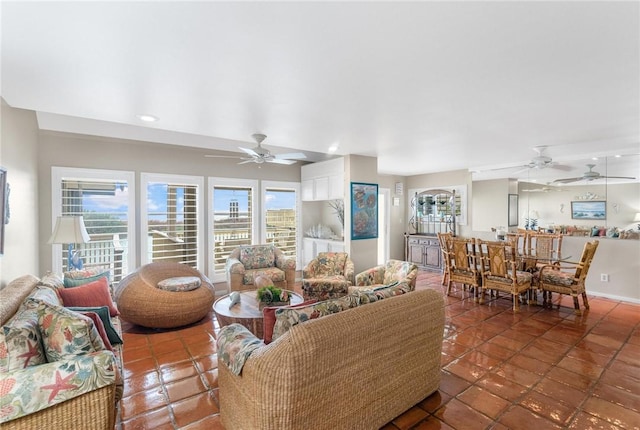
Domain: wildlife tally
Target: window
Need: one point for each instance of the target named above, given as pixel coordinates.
(232, 217)
(105, 198)
(171, 218)
(281, 222)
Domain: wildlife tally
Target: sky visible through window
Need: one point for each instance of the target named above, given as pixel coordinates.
(157, 200)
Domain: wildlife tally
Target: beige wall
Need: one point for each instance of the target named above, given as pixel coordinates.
(18, 154)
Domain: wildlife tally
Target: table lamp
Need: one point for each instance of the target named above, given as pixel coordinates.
(70, 230)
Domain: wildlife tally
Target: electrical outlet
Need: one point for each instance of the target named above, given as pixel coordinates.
(604, 277)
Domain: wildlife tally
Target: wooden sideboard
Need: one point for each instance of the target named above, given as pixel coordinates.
(423, 250)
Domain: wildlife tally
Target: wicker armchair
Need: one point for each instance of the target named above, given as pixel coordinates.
(328, 276)
(385, 274)
(499, 269)
(558, 279)
(443, 239)
(463, 265)
(248, 262)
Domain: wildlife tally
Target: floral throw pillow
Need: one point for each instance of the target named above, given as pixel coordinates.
(256, 257)
(235, 344)
(20, 345)
(65, 334)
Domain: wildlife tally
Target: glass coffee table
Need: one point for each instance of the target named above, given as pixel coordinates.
(247, 312)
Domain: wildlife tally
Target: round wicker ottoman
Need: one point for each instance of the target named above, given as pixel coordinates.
(141, 302)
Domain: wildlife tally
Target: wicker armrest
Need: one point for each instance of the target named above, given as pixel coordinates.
(37, 388)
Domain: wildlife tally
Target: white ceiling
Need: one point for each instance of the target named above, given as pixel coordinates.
(424, 86)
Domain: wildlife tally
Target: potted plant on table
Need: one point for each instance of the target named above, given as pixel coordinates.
(269, 295)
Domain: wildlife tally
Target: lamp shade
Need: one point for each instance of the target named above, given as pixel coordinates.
(69, 229)
(637, 217)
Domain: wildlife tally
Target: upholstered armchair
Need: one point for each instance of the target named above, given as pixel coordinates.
(328, 276)
(390, 272)
(248, 262)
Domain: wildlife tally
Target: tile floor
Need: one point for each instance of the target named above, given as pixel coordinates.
(539, 369)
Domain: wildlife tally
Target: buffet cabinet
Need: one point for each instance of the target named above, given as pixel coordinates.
(424, 251)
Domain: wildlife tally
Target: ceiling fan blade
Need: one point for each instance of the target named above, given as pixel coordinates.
(249, 151)
(291, 156)
(221, 156)
(247, 160)
(615, 177)
(561, 167)
(280, 161)
(568, 180)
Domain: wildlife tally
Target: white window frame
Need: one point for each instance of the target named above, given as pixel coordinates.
(212, 183)
(263, 219)
(83, 174)
(145, 179)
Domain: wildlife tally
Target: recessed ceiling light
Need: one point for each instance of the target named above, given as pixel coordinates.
(595, 158)
(147, 118)
(618, 155)
(333, 148)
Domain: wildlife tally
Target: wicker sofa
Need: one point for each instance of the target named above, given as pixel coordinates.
(355, 369)
(76, 392)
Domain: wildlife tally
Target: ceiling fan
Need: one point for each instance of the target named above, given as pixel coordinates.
(590, 175)
(261, 155)
(540, 161)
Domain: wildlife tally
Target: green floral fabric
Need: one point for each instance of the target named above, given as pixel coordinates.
(256, 257)
(21, 344)
(34, 388)
(65, 334)
(235, 344)
(273, 273)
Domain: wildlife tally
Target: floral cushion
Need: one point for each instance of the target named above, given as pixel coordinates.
(21, 344)
(235, 344)
(521, 278)
(65, 334)
(288, 317)
(557, 277)
(273, 273)
(55, 384)
(330, 263)
(74, 278)
(256, 257)
(180, 283)
(52, 280)
(396, 270)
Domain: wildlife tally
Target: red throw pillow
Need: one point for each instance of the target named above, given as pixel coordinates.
(100, 327)
(269, 316)
(94, 293)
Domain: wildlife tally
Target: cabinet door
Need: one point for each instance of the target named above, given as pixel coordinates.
(416, 252)
(432, 256)
(322, 246)
(336, 186)
(308, 251)
(306, 190)
(321, 188)
(336, 247)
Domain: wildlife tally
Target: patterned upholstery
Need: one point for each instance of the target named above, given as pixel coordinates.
(568, 278)
(388, 273)
(328, 276)
(247, 262)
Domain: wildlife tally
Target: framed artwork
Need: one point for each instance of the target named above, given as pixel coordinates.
(4, 201)
(513, 210)
(364, 211)
(589, 210)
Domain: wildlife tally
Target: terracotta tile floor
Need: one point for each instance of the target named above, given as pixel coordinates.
(539, 369)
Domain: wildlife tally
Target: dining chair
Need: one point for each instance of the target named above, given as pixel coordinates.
(543, 249)
(446, 257)
(463, 265)
(568, 278)
(499, 271)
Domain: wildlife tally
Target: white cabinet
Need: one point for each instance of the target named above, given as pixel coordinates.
(311, 247)
(323, 180)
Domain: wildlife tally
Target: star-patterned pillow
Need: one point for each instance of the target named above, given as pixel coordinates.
(20, 344)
